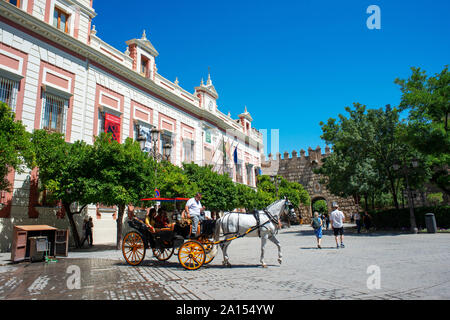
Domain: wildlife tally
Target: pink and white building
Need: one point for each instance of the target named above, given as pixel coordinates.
(57, 74)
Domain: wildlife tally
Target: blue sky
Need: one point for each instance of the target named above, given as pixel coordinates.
(292, 63)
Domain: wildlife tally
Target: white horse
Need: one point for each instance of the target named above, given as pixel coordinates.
(235, 224)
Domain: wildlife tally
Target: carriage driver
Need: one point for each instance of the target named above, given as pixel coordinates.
(194, 209)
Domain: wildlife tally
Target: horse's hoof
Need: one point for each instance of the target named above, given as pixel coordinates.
(226, 264)
(264, 265)
(280, 260)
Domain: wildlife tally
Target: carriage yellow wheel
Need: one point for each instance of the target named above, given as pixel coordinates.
(210, 250)
(133, 248)
(191, 255)
(163, 254)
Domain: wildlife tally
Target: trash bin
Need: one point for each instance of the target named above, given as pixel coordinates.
(430, 222)
(38, 247)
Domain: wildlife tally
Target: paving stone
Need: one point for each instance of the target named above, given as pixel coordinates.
(411, 267)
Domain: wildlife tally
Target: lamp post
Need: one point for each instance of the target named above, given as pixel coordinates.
(158, 157)
(405, 169)
(277, 181)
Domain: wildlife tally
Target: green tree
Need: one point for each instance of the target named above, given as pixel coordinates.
(124, 173)
(366, 145)
(294, 191)
(320, 206)
(66, 171)
(263, 199)
(15, 148)
(218, 190)
(428, 101)
(246, 198)
(173, 182)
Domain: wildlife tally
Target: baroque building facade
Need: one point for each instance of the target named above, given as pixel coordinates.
(299, 168)
(58, 74)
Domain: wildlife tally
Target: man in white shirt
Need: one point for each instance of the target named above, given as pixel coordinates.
(194, 209)
(337, 223)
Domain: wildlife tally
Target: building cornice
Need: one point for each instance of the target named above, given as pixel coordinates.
(87, 10)
(85, 52)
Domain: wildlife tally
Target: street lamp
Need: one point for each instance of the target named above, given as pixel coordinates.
(155, 134)
(404, 168)
(167, 149)
(142, 140)
(277, 181)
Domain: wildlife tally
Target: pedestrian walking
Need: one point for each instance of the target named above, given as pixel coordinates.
(357, 217)
(337, 223)
(88, 226)
(317, 226)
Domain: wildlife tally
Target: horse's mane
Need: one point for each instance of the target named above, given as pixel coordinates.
(273, 204)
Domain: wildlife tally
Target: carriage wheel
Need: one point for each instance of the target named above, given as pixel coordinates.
(210, 250)
(163, 254)
(133, 248)
(191, 255)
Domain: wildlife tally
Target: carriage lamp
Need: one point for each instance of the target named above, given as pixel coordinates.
(167, 149)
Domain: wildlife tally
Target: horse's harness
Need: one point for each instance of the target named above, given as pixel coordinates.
(258, 225)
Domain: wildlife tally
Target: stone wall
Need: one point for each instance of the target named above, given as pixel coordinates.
(299, 168)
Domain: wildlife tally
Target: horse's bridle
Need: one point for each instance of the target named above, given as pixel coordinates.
(276, 221)
(272, 218)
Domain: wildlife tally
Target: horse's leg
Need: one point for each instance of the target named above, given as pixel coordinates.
(277, 243)
(224, 247)
(263, 245)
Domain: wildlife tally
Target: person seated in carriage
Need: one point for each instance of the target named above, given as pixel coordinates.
(161, 219)
(150, 219)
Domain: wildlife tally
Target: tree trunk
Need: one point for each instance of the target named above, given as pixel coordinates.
(394, 193)
(356, 198)
(119, 222)
(73, 226)
(366, 202)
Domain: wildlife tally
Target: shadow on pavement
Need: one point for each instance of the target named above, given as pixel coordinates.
(352, 232)
(315, 248)
(176, 265)
(94, 248)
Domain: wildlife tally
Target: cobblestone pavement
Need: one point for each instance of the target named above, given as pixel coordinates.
(411, 267)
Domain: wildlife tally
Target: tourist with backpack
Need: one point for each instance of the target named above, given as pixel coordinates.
(317, 226)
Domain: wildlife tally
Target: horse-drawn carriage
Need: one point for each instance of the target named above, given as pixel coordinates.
(194, 253)
(163, 242)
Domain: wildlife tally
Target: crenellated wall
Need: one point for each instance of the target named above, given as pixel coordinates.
(298, 167)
